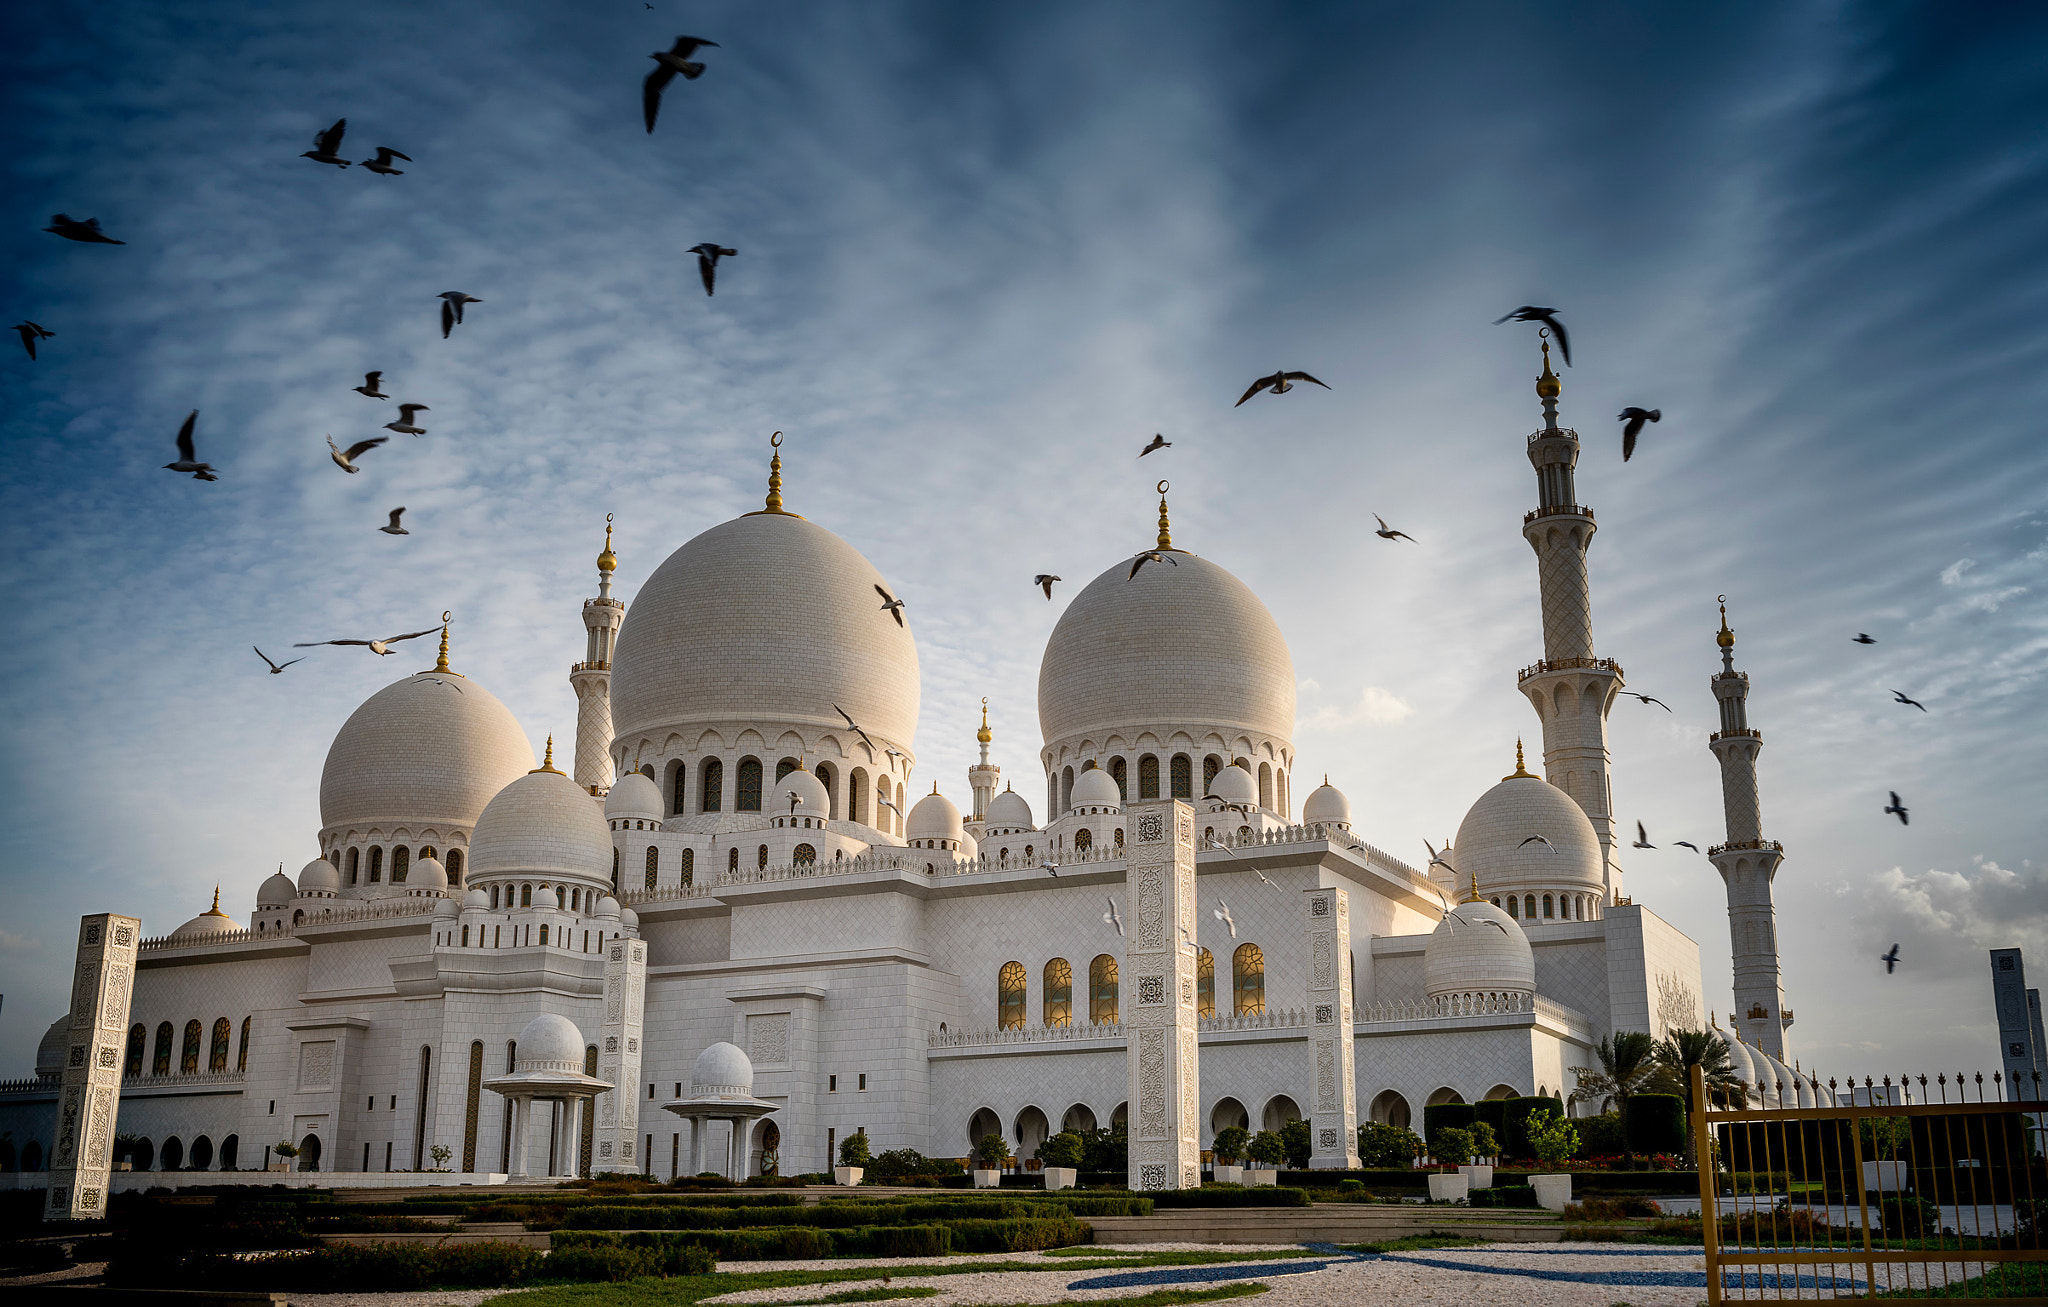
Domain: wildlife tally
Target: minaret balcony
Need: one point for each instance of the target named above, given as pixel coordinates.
(1538, 668)
(1559, 510)
(1552, 433)
(1736, 846)
(1743, 733)
(589, 667)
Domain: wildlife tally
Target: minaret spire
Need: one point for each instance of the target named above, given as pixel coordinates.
(592, 678)
(1165, 527)
(1748, 862)
(982, 777)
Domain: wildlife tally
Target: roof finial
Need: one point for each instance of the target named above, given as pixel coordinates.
(1726, 638)
(1473, 896)
(215, 909)
(441, 663)
(1521, 771)
(548, 762)
(775, 475)
(1165, 530)
(1547, 385)
(984, 734)
(607, 561)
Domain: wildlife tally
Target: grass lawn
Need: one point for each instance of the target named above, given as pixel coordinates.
(686, 1290)
(1203, 1257)
(1415, 1243)
(883, 1294)
(2020, 1281)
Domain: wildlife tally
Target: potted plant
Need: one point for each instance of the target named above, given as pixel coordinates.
(1882, 1137)
(990, 1152)
(1268, 1151)
(1061, 1158)
(1451, 1147)
(853, 1159)
(286, 1150)
(1479, 1175)
(1229, 1149)
(1554, 1139)
(441, 1153)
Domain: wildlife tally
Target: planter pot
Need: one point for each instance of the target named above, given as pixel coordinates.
(1885, 1177)
(1229, 1174)
(1447, 1188)
(988, 1179)
(847, 1175)
(1552, 1191)
(1060, 1177)
(1260, 1175)
(124, 1166)
(1477, 1177)
(278, 1166)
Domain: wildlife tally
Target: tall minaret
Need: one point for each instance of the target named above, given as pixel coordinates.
(1571, 689)
(592, 678)
(983, 777)
(1748, 862)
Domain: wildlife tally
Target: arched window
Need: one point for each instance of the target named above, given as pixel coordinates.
(1118, 832)
(401, 863)
(1119, 771)
(732, 861)
(1529, 906)
(217, 1049)
(298, 916)
(747, 795)
(1010, 997)
(1030, 854)
(784, 768)
(1205, 983)
(1546, 905)
(830, 780)
(188, 1056)
(1102, 990)
(138, 1038)
(653, 864)
(689, 867)
(543, 935)
(454, 865)
(803, 855)
(334, 858)
(354, 862)
(526, 896)
(229, 1148)
(678, 773)
(376, 863)
(1182, 774)
(427, 851)
(172, 1155)
(1058, 994)
(1083, 840)
(710, 785)
(242, 1048)
(761, 858)
(857, 795)
(615, 865)
(1148, 777)
(1514, 906)
(1210, 766)
(494, 898)
(1248, 980)
(1266, 785)
(1066, 789)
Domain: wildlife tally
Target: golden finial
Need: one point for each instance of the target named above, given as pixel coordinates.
(1547, 385)
(984, 734)
(1521, 771)
(1726, 638)
(1473, 895)
(774, 504)
(1165, 531)
(441, 663)
(607, 561)
(548, 763)
(935, 787)
(215, 911)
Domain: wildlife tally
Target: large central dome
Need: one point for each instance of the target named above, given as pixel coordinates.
(431, 749)
(764, 620)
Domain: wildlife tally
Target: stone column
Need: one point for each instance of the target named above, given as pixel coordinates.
(1333, 1111)
(1159, 996)
(90, 1097)
(616, 1139)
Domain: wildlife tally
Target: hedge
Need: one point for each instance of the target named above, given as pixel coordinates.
(1222, 1197)
(1020, 1236)
(1655, 1123)
(591, 1256)
(1515, 1113)
(706, 1247)
(1507, 1195)
(1102, 1204)
(1445, 1116)
(341, 1268)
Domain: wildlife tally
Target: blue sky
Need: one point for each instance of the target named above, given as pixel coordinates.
(987, 251)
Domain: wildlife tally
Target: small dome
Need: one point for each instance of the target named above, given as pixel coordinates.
(722, 1069)
(934, 818)
(1493, 839)
(629, 919)
(430, 749)
(445, 907)
(969, 846)
(607, 907)
(633, 795)
(1233, 784)
(427, 876)
(476, 898)
(550, 1042)
(1326, 803)
(811, 800)
(1009, 810)
(1095, 789)
(50, 1052)
(1477, 948)
(319, 877)
(210, 922)
(277, 889)
(542, 824)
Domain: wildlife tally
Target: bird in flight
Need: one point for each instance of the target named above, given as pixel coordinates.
(345, 458)
(392, 528)
(708, 254)
(1436, 859)
(1388, 533)
(382, 163)
(327, 144)
(80, 229)
(1252, 866)
(854, 726)
(1898, 809)
(1158, 442)
(1113, 917)
(891, 605)
(451, 309)
(1643, 838)
(188, 458)
(373, 386)
(890, 806)
(1635, 417)
(404, 423)
(794, 800)
(1648, 699)
(1537, 839)
(1548, 317)
(1050, 868)
(1900, 698)
(1861, 638)
(1148, 556)
(893, 753)
(1044, 582)
(1890, 960)
(379, 647)
(277, 669)
(1279, 383)
(1688, 844)
(1222, 913)
(667, 63)
(31, 333)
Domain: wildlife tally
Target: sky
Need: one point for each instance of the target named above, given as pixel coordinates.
(986, 251)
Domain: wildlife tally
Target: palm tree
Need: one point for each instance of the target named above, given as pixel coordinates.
(1681, 1051)
(1627, 1063)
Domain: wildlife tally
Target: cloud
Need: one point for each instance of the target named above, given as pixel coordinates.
(1953, 573)
(1944, 921)
(10, 940)
(1375, 707)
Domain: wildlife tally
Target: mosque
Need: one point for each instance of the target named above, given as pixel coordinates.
(735, 932)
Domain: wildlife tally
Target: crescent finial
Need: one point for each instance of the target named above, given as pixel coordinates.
(1164, 486)
(775, 441)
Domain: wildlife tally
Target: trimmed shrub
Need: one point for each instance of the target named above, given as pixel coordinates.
(1229, 1196)
(1600, 1136)
(1443, 1116)
(893, 1241)
(1610, 1209)
(1020, 1236)
(1507, 1195)
(900, 1164)
(343, 1268)
(591, 1256)
(1656, 1123)
(1908, 1216)
(1300, 1145)
(1515, 1112)
(1063, 1149)
(1103, 1204)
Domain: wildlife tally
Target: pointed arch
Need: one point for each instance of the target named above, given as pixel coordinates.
(1247, 981)
(217, 1047)
(1057, 993)
(1102, 991)
(1010, 986)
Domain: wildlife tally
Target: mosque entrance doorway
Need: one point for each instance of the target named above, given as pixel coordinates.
(1032, 1131)
(1390, 1109)
(1227, 1113)
(309, 1153)
(1278, 1113)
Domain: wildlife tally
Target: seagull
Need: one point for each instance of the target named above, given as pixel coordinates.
(1537, 839)
(1898, 809)
(854, 726)
(669, 62)
(1495, 924)
(277, 669)
(1648, 700)
(708, 255)
(392, 528)
(1890, 960)
(404, 423)
(1861, 638)
(1436, 859)
(382, 163)
(326, 143)
(1222, 913)
(1043, 580)
(1113, 917)
(1253, 867)
(1243, 809)
(373, 386)
(451, 309)
(1050, 868)
(1280, 383)
(890, 806)
(31, 333)
(188, 460)
(1688, 844)
(86, 230)
(1635, 417)
(1158, 442)
(379, 647)
(893, 753)
(891, 605)
(1900, 698)
(345, 458)
(1148, 556)
(1388, 533)
(1548, 317)
(794, 800)
(1643, 838)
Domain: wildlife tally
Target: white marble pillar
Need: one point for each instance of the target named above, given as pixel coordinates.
(616, 1138)
(89, 1100)
(520, 1124)
(1158, 996)
(1333, 1102)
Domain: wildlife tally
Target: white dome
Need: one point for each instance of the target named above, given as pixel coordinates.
(445, 907)
(607, 907)
(970, 848)
(319, 877)
(1009, 811)
(722, 1069)
(1188, 645)
(541, 824)
(427, 874)
(1095, 788)
(933, 818)
(550, 1042)
(277, 889)
(1490, 839)
(1233, 784)
(210, 922)
(1477, 948)
(476, 898)
(633, 795)
(429, 750)
(811, 800)
(767, 619)
(55, 1043)
(629, 919)
(1326, 803)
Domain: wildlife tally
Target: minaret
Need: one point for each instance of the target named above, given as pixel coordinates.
(592, 678)
(1571, 689)
(982, 778)
(1748, 862)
